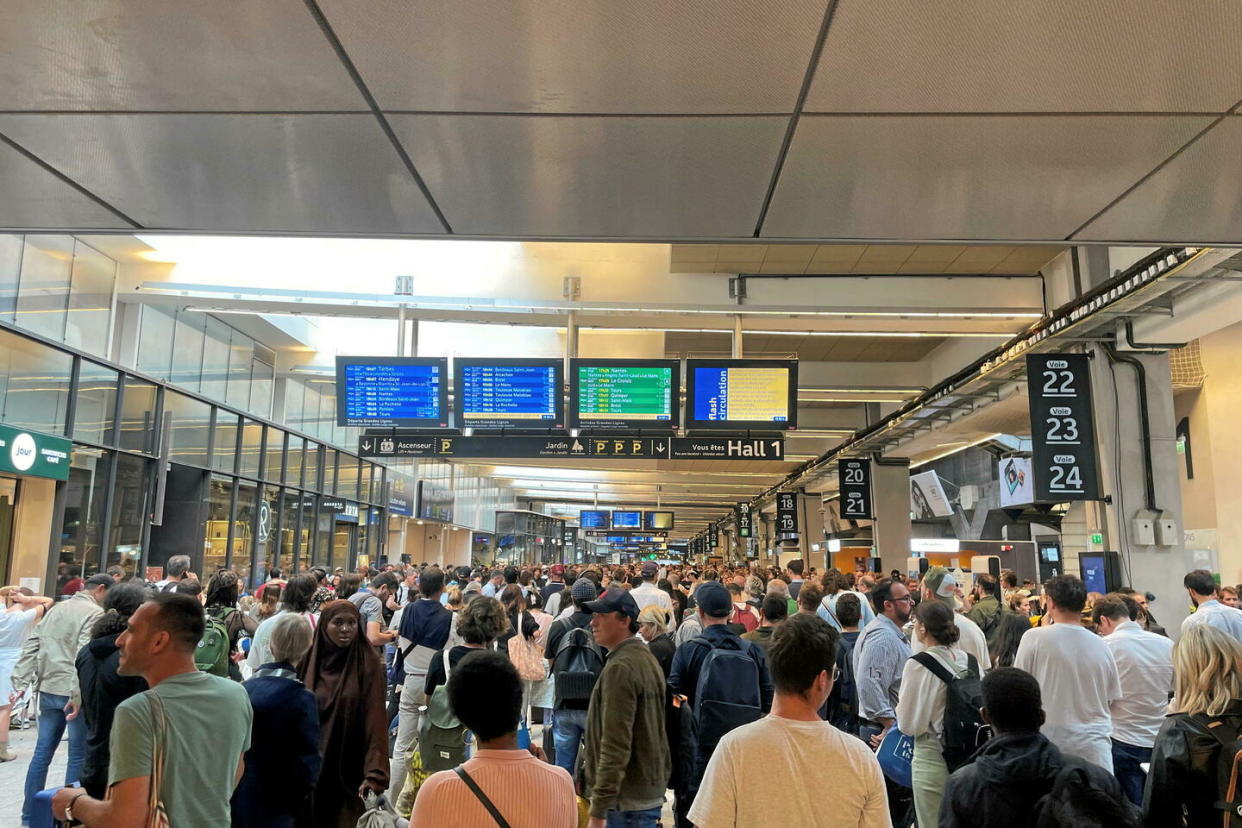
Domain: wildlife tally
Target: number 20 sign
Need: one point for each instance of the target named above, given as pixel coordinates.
(1062, 431)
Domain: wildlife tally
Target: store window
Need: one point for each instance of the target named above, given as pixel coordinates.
(323, 537)
(241, 351)
(261, 382)
(155, 333)
(187, 350)
(293, 461)
(251, 449)
(310, 473)
(34, 379)
(275, 455)
(347, 477)
(43, 288)
(224, 451)
(130, 507)
(90, 300)
(219, 499)
(215, 376)
(10, 271)
(96, 403)
(243, 530)
(85, 491)
(289, 531)
(191, 426)
(138, 420)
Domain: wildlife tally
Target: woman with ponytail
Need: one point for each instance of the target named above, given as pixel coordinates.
(102, 688)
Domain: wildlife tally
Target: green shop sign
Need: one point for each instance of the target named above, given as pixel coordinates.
(34, 454)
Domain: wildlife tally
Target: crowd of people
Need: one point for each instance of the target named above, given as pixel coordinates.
(583, 695)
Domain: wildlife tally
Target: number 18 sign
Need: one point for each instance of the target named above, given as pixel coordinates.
(1062, 432)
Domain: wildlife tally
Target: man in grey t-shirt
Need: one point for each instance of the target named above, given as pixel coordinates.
(371, 603)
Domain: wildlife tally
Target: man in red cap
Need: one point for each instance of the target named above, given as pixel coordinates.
(555, 584)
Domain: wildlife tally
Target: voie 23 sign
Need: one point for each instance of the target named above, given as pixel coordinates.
(1062, 428)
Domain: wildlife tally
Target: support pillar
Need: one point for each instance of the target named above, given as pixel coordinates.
(890, 495)
(400, 330)
(1146, 567)
(571, 340)
(737, 337)
(413, 337)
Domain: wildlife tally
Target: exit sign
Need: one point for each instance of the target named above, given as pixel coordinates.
(1097, 538)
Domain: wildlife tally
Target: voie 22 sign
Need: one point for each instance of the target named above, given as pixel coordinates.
(1062, 430)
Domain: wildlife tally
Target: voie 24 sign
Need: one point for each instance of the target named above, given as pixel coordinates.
(1062, 428)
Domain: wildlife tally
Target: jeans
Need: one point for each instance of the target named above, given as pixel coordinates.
(1126, 759)
(633, 819)
(567, 732)
(52, 724)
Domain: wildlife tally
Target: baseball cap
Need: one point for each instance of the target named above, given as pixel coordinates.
(650, 569)
(614, 599)
(557, 569)
(583, 590)
(942, 584)
(713, 599)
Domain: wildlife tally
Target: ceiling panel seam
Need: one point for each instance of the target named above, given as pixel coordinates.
(803, 91)
(69, 181)
(1147, 176)
(335, 42)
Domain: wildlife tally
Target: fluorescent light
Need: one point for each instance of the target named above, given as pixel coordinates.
(900, 334)
(934, 545)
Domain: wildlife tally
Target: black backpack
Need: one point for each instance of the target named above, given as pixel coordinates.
(843, 703)
(1228, 769)
(964, 728)
(726, 695)
(1077, 801)
(577, 665)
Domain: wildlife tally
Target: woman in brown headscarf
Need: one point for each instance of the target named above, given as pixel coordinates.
(347, 678)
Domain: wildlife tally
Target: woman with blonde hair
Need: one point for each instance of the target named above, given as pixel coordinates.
(654, 625)
(1205, 716)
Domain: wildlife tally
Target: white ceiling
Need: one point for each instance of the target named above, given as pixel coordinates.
(704, 120)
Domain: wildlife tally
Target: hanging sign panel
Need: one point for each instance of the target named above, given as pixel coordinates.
(854, 476)
(1062, 430)
(742, 517)
(786, 512)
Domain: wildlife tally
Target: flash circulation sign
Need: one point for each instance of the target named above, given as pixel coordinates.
(1062, 430)
(854, 476)
(787, 512)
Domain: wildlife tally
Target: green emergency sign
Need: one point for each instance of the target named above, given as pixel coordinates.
(34, 454)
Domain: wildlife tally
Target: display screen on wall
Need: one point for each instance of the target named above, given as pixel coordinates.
(1017, 482)
(627, 520)
(595, 519)
(657, 520)
(741, 393)
(611, 394)
(435, 502)
(397, 392)
(508, 393)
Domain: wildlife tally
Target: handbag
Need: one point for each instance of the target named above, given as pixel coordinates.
(378, 814)
(527, 656)
(157, 816)
(482, 797)
(895, 755)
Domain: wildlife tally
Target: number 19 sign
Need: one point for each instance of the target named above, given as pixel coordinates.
(1059, 387)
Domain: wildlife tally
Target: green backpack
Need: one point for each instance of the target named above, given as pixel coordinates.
(441, 737)
(212, 653)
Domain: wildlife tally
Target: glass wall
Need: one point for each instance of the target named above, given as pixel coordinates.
(59, 288)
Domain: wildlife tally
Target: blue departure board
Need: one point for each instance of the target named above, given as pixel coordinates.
(392, 392)
(627, 520)
(595, 519)
(508, 393)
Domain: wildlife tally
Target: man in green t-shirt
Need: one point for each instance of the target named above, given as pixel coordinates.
(206, 727)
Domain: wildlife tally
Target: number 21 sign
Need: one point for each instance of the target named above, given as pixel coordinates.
(1062, 431)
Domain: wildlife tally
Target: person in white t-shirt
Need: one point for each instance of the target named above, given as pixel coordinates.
(1076, 673)
(793, 743)
(647, 593)
(940, 585)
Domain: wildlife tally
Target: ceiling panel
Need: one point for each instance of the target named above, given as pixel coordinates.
(1051, 56)
(156, 55)
(1033, 177)
(581, 56)
(34, 198)
(305, 173)
(1194, 198)
(859, 258)
(638, 177)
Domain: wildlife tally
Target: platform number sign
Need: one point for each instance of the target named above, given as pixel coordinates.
(1062, 430)
(713, 536)
(854, 477)
(786, 512)
(743, 519)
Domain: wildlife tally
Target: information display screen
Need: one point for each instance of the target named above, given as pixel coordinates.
(1093, 573)
(508, 393)
(627, 520)
(610, 394)
(400, 392)
(595, 519)
(742, 393)
(657, 520)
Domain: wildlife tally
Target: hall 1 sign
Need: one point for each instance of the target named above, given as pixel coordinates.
(786, 512)
(743, 519)
(34, 454)
(854, 476)
(1062, 427)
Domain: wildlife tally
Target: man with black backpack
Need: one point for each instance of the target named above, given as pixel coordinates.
(724, 679)
(1019, 779)
(576, 662)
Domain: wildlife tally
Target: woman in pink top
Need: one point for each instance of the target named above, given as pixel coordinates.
(518, 785)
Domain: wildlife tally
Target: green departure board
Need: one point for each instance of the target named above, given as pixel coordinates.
(626, 395)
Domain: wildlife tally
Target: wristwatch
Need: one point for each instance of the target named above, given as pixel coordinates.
(69, 808)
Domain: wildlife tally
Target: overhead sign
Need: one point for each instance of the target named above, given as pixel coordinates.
(744, 519)
(713, 536)
(1017, 482)
(1062, 429)
(854, 476)
(653, 448)
(34, 454)
(787, 512)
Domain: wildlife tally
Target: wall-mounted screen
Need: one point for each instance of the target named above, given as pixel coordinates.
(508, 393)
(742, 393)
(396, 392)
(657, 520)
(627, 520)
(595, 519)
(612, 394)
(1093, 573)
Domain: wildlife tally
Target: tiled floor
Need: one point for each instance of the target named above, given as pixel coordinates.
(13, 774)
